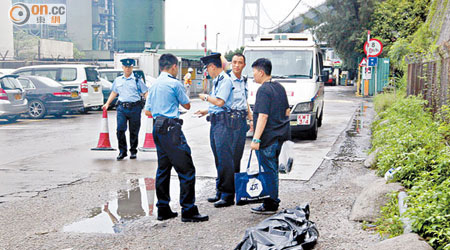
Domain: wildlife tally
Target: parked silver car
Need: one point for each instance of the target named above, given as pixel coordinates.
(12, 98)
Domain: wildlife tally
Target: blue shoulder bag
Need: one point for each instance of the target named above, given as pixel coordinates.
(254, 187)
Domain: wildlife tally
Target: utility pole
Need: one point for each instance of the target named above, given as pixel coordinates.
(217, 41)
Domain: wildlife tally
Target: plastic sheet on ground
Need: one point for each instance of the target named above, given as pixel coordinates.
(288, 229)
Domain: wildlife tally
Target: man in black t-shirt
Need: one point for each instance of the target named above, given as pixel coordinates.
(271, 123)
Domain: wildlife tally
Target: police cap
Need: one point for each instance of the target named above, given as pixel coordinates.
(128, 62)
(214, 58)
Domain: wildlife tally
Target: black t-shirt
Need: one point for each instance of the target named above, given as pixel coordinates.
(271, 100)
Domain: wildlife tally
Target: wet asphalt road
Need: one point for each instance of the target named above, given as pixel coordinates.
(38, 155)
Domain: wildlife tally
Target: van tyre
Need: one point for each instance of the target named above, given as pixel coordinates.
(312, 132)
(36, 109)
(319, 122)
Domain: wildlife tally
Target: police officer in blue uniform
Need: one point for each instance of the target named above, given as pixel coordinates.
(221, 134)
(240, 108)
(164, 98)
(130, 89)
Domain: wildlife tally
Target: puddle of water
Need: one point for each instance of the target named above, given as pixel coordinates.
(358, 121)
(135, 203)
(129, 205)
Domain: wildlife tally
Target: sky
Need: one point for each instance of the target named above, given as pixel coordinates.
(185, 20)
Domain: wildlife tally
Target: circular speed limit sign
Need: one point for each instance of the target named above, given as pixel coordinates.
(374, 48)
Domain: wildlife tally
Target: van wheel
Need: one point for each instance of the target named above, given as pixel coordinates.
(36, 109)
(312, 132)
(319, 122)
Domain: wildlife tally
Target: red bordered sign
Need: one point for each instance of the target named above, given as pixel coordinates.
(374, 47)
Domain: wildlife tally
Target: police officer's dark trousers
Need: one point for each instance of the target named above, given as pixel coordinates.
(133, 115)
(221, 139)
(239, 136)
(173, 151)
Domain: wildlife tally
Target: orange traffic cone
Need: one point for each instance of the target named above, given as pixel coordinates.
(150, 188)
(103, 141)
(149, 143)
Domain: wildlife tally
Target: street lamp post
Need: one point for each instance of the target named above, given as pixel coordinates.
(217, 41)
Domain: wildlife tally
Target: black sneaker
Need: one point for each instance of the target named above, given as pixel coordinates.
(133, 156)
(262, 210)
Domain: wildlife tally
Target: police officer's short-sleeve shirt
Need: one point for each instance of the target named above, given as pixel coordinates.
(271, 100)
(165, 96)
(239, 92)
(127, 88)
(222, 89)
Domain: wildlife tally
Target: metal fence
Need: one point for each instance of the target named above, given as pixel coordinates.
(429, 77)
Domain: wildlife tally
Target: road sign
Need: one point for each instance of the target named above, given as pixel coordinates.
(373, 61)
(363, 62)
(367, 73)
(373, 48)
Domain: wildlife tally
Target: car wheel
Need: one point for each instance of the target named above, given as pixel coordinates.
(12, 118)
(96, 108)
(84, 111)
(312, 132)
(36, 109)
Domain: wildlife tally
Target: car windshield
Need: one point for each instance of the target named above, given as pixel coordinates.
(285, 63)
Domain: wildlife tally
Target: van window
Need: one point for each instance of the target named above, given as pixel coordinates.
(91, 74)
(27, 72)
(50, 73)
(320, 63)
(68, 74)
(110, 76)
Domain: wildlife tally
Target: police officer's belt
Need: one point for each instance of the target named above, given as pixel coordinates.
(129, 104)
(216, 117)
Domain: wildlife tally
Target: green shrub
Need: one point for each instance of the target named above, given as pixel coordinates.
(389, 224)
(409, 137)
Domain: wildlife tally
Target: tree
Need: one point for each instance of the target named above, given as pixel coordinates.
(396, 19)
(25, 45)
(229, 54)
(344, 28)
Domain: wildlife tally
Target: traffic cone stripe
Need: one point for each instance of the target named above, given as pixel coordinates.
(103, 141)
(149, 143)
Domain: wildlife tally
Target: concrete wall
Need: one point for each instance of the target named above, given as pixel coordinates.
(79, 23)
(442, 16)
(53, 49)
(6, 30)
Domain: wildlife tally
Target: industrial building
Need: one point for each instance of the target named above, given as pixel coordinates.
(100, 27)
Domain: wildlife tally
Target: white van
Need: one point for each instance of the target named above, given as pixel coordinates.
(297, 63)
(82, 77)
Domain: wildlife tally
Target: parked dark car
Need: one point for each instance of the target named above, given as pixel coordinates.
(49, 97)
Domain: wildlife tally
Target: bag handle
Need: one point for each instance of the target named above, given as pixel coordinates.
(250, 160)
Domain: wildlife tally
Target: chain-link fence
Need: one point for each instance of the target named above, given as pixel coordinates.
(429, 76)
